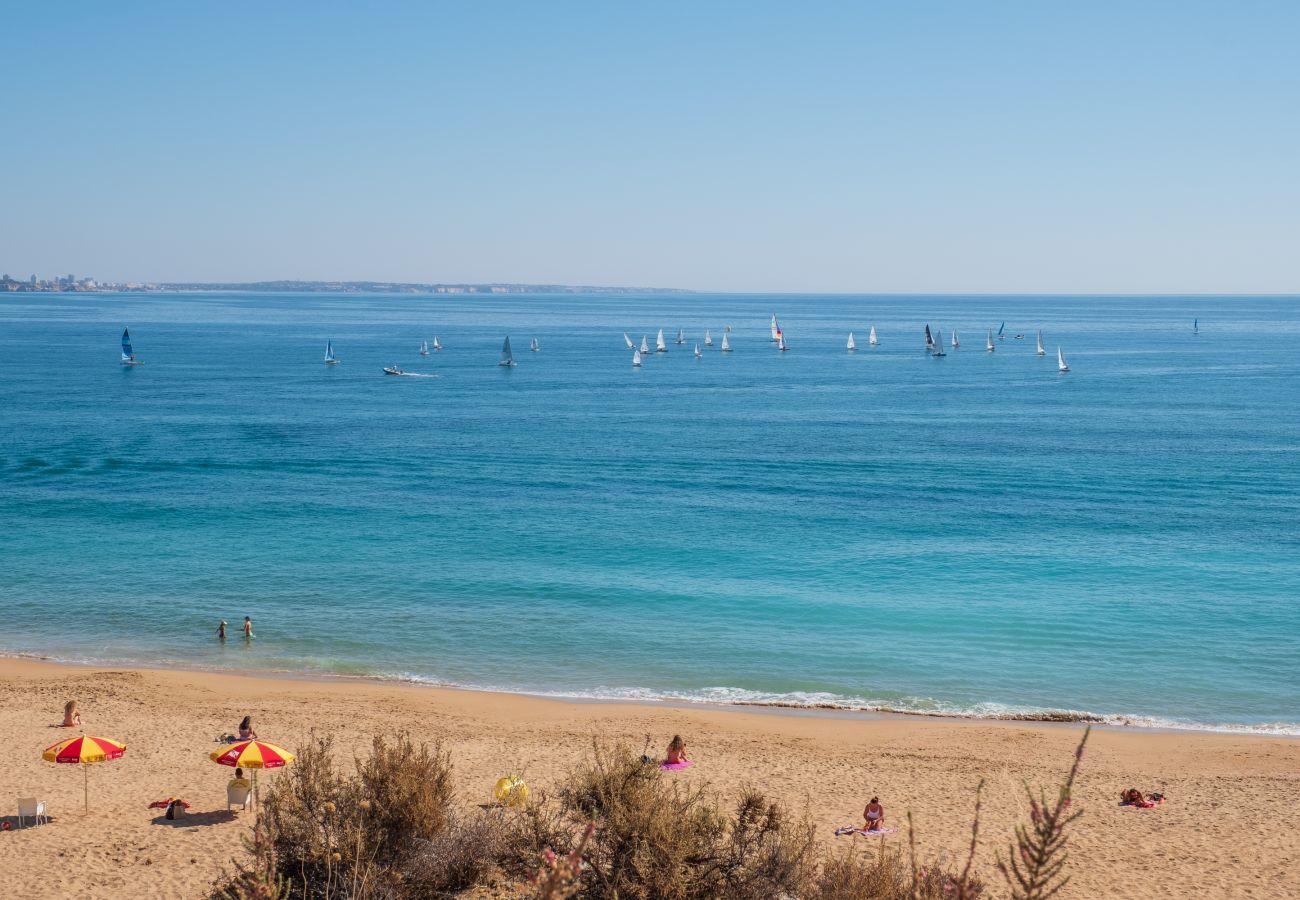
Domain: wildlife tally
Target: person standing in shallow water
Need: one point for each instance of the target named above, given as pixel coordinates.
(221, 630)
(248, 628)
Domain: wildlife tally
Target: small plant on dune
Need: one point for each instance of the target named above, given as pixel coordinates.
(262, 879)
(1035, 864)
(559, 875)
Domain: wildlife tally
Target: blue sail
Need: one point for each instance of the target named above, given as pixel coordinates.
(1000, 327)
(126, 345)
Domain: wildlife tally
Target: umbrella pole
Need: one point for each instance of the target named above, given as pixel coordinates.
(85, 786)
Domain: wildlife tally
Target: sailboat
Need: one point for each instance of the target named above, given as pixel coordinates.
(1196, 326)
(534, 346)
(780, 342)
(645, 346)
(660, 346)
(955, 343)
(437, 344)
(636, 357)
(329, 354)
(938, 343)
(728, 329)
(698, 354)
(871, 338)
(1000, 327)
(708, 338)
(681, 339)
(851, 346)
(1041, 351)
(929, 340)
(1060, 360)
(128, 356)
(726, 343)
(776, 329)
(507, 358)
(628, 341)
(424, 348)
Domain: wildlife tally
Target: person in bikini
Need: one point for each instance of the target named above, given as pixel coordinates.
(874, 814)
(71, 718)
(676, 751)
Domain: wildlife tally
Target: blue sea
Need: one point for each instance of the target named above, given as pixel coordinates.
(973, 535)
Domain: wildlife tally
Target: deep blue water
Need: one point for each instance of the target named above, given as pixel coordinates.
(976, 533)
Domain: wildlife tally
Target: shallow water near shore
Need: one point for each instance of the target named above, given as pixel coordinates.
(975, 535)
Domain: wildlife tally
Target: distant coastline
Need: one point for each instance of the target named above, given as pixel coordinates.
(398, 287)
(72, 284)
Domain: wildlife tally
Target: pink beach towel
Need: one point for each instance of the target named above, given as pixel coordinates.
(673, 767)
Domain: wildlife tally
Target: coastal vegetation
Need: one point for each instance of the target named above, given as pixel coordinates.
(616, 827)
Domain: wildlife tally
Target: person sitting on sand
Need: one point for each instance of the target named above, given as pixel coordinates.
(71, 718)
(239, 781)
(676, 751)
(874, 814)
(246, 732)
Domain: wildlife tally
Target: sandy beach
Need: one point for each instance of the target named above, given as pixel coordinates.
(1231, 826)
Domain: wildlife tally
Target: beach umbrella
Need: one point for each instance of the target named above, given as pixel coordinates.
(83, 750)
(252, 755)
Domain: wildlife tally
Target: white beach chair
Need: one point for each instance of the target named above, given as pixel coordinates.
(30, 807)
(238, 795)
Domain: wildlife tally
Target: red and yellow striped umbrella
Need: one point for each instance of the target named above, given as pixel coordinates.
(252, 755)
(83, 750)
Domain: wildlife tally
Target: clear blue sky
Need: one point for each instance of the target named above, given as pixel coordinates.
(905, 146)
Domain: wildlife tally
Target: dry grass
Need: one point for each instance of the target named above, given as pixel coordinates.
(618, 828)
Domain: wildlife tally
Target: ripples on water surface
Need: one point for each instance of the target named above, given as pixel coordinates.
(973, 534)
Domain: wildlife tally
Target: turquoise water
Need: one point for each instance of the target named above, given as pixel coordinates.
(976, 534)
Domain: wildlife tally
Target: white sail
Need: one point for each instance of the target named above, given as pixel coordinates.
(871, 338)
(990, 344)
(645, 347)
(780, 341)
(681, 338)
(329, 353)
(628, 340)
(1060, 361)
(708, 338)
(726, 342)
(534, 346)
(424, 348)
(660, 346)
(955, 343)
(1041, 351)
(636, 357)
(437, 344)
(507, 358)
(938, 343)
(698, 354)
(852, 345)
(776, 329)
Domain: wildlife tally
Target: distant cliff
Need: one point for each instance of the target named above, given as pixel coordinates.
(392, 287)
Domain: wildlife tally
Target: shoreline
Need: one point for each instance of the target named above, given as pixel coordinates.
(1120, 723)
